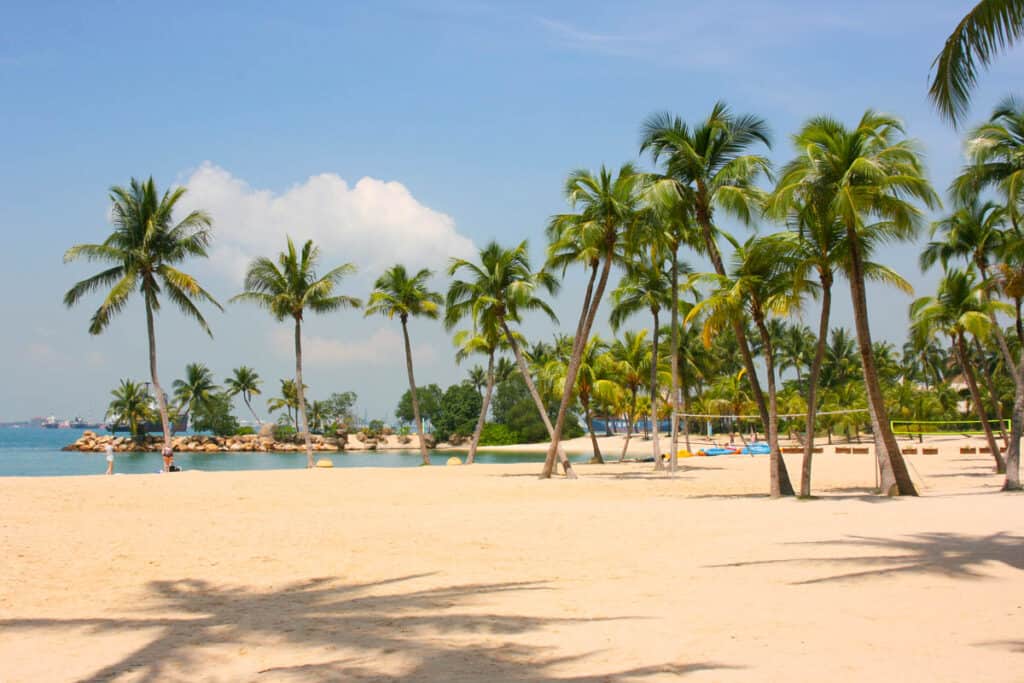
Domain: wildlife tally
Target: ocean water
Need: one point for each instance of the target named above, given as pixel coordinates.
(36, 452)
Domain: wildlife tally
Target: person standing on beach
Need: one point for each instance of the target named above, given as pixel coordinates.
(110, 458)
(168, 453)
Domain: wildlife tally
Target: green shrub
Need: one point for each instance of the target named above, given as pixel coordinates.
(244, 431)
(498, 435)
(284, 433)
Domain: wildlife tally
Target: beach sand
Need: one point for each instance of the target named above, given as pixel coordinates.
(486, 573)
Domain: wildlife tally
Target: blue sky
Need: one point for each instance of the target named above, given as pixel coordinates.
(463, 117)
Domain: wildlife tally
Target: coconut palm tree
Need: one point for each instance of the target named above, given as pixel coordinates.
(608, 208)
(478, 378)
(288, 401)
(143, 250)
(246, 382)
(486, 339)
(631, 357)
(287, 289)
(761, 285)
(503, 287)
(708, 168)
(989, 28)
(130, 406)
(958, 309)
(868, 178)
(317, 413)
(196, 389)
(593, 381)
(397, 294)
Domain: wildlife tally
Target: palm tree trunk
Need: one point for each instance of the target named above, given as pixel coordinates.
(972, 385)
(248, 404)
(683, 391)
(575, 362)
(780, 484)
(893, 475)
(993, 396)
(673, 457)
(655, 446)
(471, 458)
(412, 394)
(161, 401)
(629, 425)
(300, 393)
(588, 415)
(1012, 482)
(524, 370)
(812, 389)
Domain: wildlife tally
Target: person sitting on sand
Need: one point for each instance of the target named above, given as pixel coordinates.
(168, 454)
(110, 458)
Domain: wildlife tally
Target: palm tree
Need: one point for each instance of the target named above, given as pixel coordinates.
(245, 381)
(631, 356)
(317, 414)
(144, 248)
(608, 209)
(866, 177)
(287, 289)
(593, 381)
(485, 339)
(130, 406)
(288, 401)
(502, 287)
(708, 169)
(397, 294)
(478, 378)
(960, 308)
(761, 285)
(794, 349)
(990, 27)
(196, 389)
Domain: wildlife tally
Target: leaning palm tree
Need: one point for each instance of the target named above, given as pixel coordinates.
(631, 358)
(989, 28)
(995, 160)
(486, 339)
(130, 406)
(960, 308)
(143, 249)
(868, 177)
(608, 209)
(288, 401)
(397, 294)
(196, 390)
(246, 382)
(288, 289)
(501, 288)
(593, 380)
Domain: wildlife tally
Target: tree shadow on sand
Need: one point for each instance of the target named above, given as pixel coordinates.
(351, 631)
(940, 553)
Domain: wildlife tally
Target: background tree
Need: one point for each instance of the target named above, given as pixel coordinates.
(287, 289)
(130, 406)
(244, 381)
(144, 248)
(196, 389)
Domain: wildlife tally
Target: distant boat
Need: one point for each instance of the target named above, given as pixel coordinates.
(179, 425)
(50, 423)
(79, 423)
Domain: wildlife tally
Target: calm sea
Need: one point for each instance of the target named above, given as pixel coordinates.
(35, 452)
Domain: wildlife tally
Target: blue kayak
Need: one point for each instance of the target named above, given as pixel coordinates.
(757, 449)
(719, 451)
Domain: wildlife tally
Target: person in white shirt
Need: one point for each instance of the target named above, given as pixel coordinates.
(110, 459)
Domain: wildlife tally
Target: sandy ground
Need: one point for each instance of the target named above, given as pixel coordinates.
(486, 573)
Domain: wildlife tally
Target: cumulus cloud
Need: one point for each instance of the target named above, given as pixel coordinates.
(373, 223)
(382, 346)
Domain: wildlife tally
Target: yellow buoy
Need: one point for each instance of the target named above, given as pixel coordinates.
(324, 462)
(454, 460)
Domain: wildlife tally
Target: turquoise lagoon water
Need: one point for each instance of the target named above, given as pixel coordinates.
(36, 452)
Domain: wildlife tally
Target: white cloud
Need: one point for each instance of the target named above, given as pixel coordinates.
(383, 346)
(373, 224)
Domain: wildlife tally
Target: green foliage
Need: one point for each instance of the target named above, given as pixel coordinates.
(244, 431)
(130, 406)
(214, 415)
(494, 434)
(513, 407)
(429, 396)
(459, 410)
(338, 408)
(284, 432)
(375, 426)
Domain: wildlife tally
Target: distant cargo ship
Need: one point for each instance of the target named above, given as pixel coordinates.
(179, 425)
(79, 423)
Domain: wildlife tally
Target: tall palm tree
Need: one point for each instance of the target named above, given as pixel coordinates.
(246, 382)
(503, 287)
(396, 293)
(287, 289)
(958, 309)
(608, 208)
(144, 249)
(486, 339)
(867, 177)
(130, 406)
(989, 28)
(708, 167)
(631, 357)
(594, 380)
(761, 285)
(196, 389)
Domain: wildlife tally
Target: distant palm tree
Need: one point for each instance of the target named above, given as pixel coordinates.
(990, 27)
(246, 382)
(958, 309)
(868, 177)
(609, 207)
(288, 401)
(287, 289)
(631, 359)
(486, 340)
(478, 378)
(317, 414)
(504, 369)
(396, 293)
(592, 380)
(130, 406)
(196, 390)
(144, 248)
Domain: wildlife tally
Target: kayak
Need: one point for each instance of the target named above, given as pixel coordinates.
(719, 451)
(757, 449)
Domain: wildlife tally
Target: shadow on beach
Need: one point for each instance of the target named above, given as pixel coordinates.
(353, 631)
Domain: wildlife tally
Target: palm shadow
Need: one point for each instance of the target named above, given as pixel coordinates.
(939, 553)
(436, 631)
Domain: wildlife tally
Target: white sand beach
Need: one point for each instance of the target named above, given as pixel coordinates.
(486, 573)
